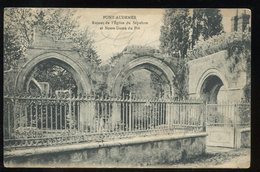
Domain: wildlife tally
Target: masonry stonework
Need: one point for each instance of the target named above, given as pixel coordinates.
(216, 64)
(126, 152)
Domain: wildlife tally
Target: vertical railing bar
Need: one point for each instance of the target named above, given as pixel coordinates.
(89, 103)
(65, 115)
(148, 116)
(56, 115)
(96, 117)
(184, 116)
(51, 105)
(105, 116)
(14, 115)
(162, 118)
(31, 115)
(140, 115)
(78, 113)
(173, 115)
(41, 115)
(160, 114)
(8, 118)
(102, 116)
(137, 115)
(123, 110)
(99, 116)
(36, 114)
(143, 114)
(70, 113)
(46, 116)
(170, 115)
(60, 115)
(127, 114)
(73, 113)
(26, 113)
(20, 114)
(109, 116)
(130, 111)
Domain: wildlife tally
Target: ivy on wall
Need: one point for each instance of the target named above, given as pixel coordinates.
(238, 45)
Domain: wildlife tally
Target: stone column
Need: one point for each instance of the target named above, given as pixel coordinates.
(87, 115)
(9, 81)
(116, 113)
(169, 114)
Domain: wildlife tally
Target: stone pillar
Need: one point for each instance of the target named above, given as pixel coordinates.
(116, 113)
(168, 114)
(87, 115)
(9, 81)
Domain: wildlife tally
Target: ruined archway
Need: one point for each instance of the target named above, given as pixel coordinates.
(210, 84)
(149, 63)
(76, 68)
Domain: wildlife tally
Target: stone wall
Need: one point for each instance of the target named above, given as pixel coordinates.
(9, 81)
(216, 64)
(143, 151)
(246, 139)
(243, 138)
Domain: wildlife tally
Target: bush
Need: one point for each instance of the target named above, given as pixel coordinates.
(225, 41)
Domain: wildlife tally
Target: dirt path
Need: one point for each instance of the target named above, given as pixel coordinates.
(224, 158)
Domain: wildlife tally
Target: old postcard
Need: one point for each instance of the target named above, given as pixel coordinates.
(127, 87)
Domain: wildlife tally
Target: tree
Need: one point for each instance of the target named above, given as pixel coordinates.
(175, 32)
(175, 42)
(205, 23)
(18, 24)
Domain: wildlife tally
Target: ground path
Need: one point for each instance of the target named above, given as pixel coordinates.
(216, 157)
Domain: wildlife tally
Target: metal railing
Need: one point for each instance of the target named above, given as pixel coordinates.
(236, 114)
(44, 121)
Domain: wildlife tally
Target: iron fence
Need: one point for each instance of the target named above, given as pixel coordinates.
(44, 121)
(235, 114)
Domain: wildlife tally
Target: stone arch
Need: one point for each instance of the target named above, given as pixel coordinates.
(75, 67)
(149, 63)
(210, 83)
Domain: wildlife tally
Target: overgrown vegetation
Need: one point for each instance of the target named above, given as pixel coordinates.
(59, 24)
(180, 31)
(230, 41)
(238, 45)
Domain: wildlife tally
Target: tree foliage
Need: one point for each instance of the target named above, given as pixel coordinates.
(205, 23)
(17, 34)
(59, 24)
(175, 43)
(175, 32)
(56, 76)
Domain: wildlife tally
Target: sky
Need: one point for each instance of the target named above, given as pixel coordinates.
(109, 41)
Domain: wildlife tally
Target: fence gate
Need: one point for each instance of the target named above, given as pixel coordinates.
(220, 125)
